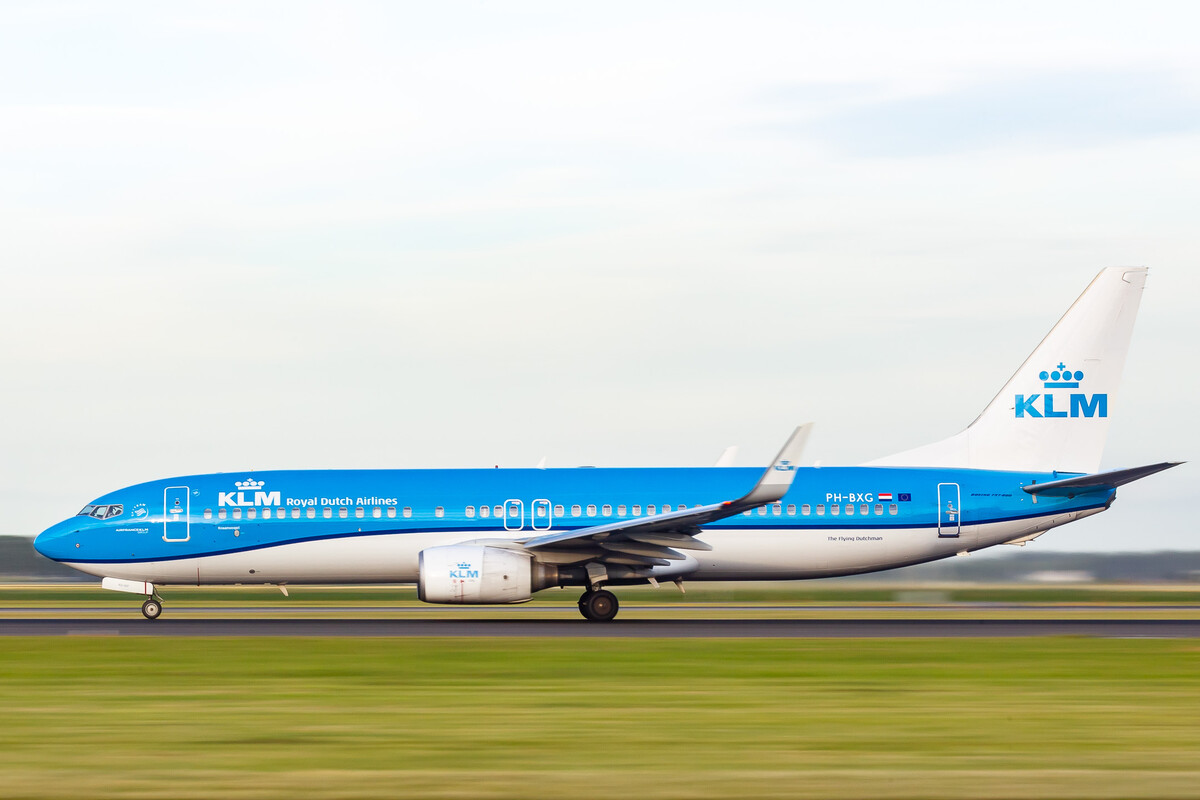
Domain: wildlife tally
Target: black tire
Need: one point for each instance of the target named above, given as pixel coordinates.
(601, 606)
(583, 604)
(151, 609)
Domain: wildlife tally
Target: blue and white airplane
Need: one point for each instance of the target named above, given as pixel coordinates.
(1027, 464)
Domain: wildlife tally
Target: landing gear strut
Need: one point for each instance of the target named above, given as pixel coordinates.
(598, 605)
(152, 608)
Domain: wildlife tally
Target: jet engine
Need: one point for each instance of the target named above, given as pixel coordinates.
(477, 574)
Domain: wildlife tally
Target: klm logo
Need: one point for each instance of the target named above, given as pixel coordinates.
(249, 493)
(463, 571)
(785, 466)
(1076, 404)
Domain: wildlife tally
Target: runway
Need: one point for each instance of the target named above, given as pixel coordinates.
(633, 629)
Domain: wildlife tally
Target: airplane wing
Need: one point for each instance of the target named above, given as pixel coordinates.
(656, 541)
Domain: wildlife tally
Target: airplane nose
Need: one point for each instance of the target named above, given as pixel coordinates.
(52, 542)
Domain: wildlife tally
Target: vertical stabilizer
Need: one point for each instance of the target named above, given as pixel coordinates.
(1053, 413)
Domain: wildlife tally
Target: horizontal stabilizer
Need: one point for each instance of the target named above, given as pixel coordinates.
(1070, 487)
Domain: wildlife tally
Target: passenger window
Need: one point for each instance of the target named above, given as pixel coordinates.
(498, 511)
(620, 511)
(310, 512)
(251, 513)
(591, 510)
(470, 512)
(327, 512)
(637, 511)
(892, 509)
(762, 511)
(777, 509)
(558, 510)
(377, 513)
(391, 512)
(791, 509)
(439, 512)
(540, 510)
(681, 507)
(820, 509)
(805, 510)
(407, 512)
(343, 512)
(652, 509)
(359, 512)
(485, 511)
(267, 513)
(834, 510)
(221, 513)
(576, 511)
(878, 509)
(513, 511)
(849, 509)
(295, 513)
(237, 513)
(864, 509)
(747, 513)
(606, 510)
(208, 513)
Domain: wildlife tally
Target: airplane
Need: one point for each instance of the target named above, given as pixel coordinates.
(1027, 464)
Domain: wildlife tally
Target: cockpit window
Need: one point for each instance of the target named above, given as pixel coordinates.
(102, 512)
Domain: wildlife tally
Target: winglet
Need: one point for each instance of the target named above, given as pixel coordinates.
(728, 457)
(778, 477)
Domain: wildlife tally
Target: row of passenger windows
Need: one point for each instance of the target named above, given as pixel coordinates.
(834, 510)
(310, 512)
(539, 510)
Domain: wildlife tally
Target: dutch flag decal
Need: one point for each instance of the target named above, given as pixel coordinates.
(885, 497)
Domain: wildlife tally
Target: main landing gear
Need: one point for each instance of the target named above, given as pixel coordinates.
(152, 608)
(598, 605)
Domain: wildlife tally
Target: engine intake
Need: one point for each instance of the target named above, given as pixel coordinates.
(477, 574)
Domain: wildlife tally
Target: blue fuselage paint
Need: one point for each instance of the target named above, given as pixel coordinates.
(202, 517)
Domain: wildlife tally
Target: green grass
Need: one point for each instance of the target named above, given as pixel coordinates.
(250, 718)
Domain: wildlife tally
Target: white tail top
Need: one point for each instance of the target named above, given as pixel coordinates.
(1053, 413)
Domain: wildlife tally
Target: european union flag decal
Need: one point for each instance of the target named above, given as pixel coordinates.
(904, 497)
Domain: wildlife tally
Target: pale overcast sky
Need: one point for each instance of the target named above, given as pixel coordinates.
(286, 235)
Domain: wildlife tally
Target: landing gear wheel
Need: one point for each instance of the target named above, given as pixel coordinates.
(598, 606)
(151, 608)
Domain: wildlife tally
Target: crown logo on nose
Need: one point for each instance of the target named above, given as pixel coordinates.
(1061, 378)
(248, 485)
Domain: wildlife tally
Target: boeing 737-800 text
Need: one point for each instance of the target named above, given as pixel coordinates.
(1028, 463)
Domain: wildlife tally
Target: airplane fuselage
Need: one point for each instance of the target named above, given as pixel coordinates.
(371, 525)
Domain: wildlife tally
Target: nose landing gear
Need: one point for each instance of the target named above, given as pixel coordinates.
(598, 605)
(152, 608)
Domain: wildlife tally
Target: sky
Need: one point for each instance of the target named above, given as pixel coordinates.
(293, 235)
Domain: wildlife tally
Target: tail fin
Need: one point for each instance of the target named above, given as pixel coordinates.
(1053, 413)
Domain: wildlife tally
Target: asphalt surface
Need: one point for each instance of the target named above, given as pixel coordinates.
(690, 628)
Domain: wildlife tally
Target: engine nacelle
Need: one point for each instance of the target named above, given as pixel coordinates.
(477, 574)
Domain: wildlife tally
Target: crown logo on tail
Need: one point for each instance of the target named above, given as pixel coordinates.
(1061, 377)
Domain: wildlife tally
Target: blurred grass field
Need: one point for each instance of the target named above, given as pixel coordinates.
(519, 718)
